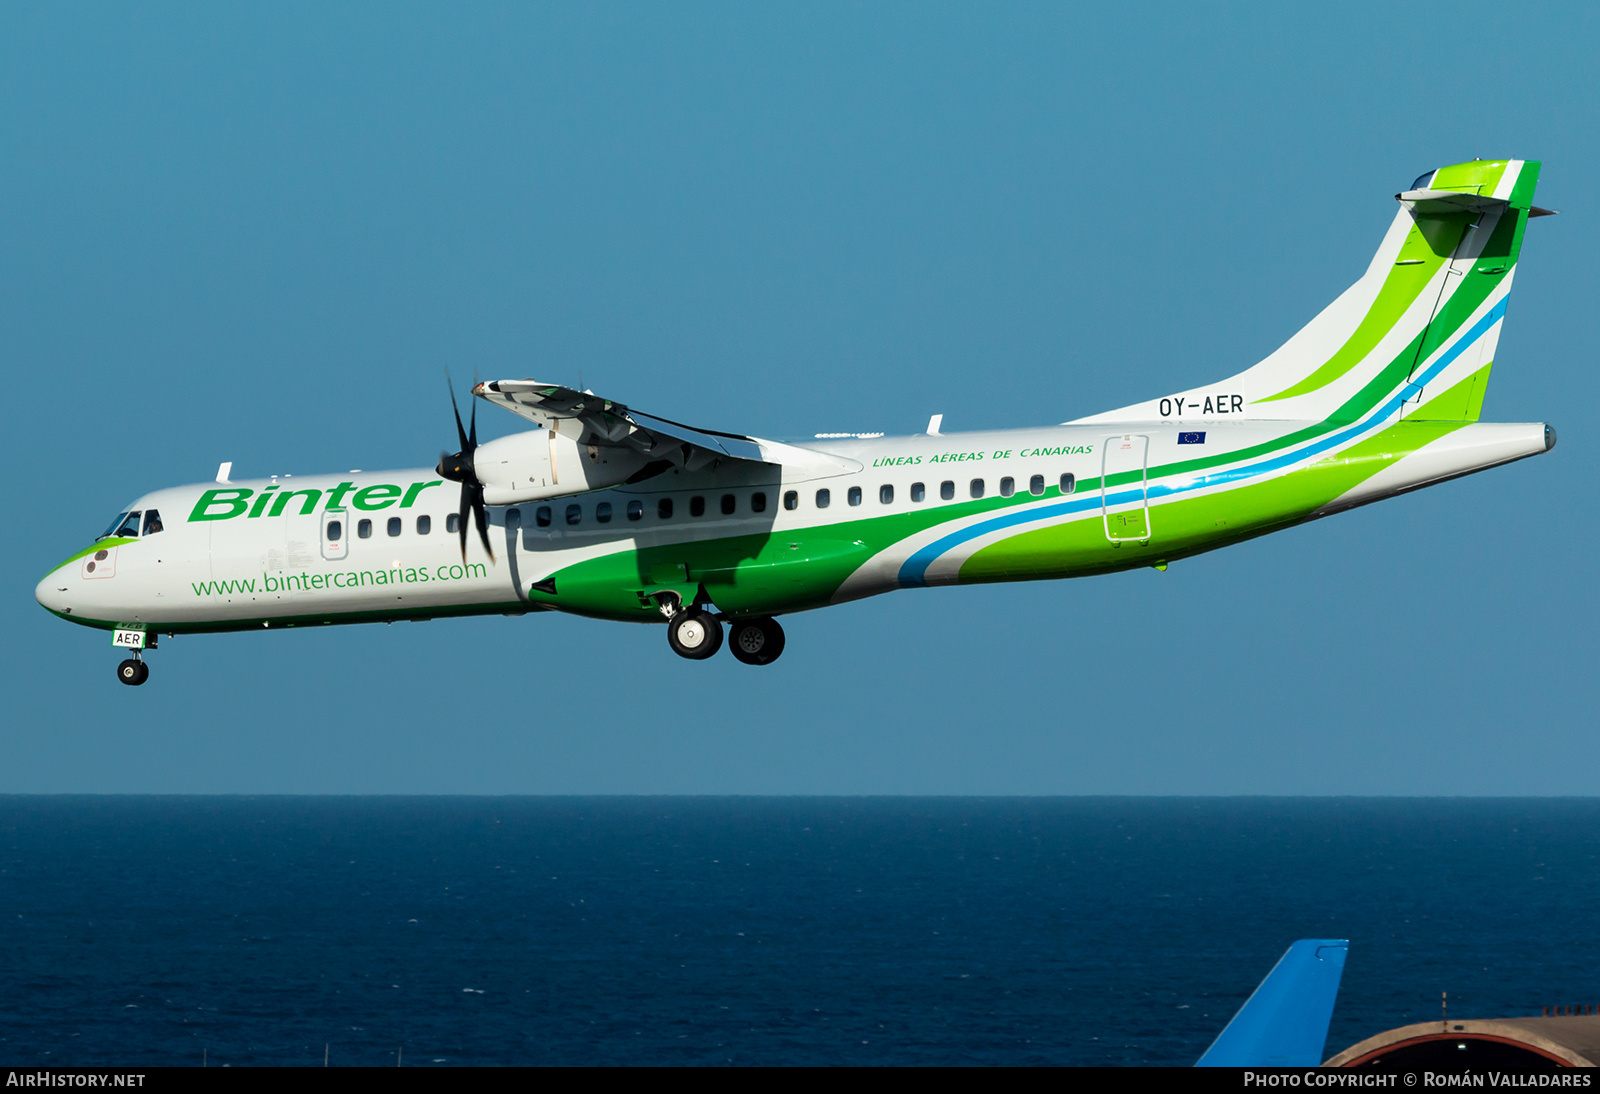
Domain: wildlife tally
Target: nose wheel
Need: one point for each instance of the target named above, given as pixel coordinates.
(755, 641)
(133, 672)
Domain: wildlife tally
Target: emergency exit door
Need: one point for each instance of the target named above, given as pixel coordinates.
(335, 534)
(1124, 493)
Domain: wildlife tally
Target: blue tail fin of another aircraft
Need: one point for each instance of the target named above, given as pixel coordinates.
(1284, 1023)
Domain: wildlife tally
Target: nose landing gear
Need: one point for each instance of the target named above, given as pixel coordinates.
(133, 671)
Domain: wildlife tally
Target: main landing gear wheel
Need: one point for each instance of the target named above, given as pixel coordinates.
(694, 634)
(133, 673)
(755, 641)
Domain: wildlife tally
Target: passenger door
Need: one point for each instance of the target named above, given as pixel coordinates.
(1130, 500)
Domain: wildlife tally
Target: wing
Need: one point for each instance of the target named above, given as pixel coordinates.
(588, 418)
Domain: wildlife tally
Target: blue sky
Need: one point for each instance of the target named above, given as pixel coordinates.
(260, 233)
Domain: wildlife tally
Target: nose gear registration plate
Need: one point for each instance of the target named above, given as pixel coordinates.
(128, 639)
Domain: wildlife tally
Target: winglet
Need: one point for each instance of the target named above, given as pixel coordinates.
(223, 471)
(1284, 1023)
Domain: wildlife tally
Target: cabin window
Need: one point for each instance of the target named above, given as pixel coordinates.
(129, 526)
(823, 498)
(758, 502)
(918, 491)
(976, 488)
(728, 505)
(574, 513)
(664, 509)
(791, 499)
(855, 495)
(886, 494)
(602, 512)
(364, 529)
(152, 522)
(947, 490)
(697, 506)
(452, 524)
(394, 526)
(1069, 483)
(513, 518)
(1008, 486)
(424, 525)
(541, 516)
(635, 510)
(1036, 485)
(335, 530)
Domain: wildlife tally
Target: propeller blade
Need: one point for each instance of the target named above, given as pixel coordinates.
(459, 468)
(461, 434)
(481, 517)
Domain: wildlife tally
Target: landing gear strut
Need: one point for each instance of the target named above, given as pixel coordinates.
(133, 671)
(694, 633)
(755, 641)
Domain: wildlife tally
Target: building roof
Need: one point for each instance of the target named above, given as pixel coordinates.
(1570, 1040)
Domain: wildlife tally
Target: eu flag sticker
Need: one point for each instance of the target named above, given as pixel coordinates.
(1192, 438)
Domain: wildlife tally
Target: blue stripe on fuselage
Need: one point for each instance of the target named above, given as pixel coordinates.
(913, 572)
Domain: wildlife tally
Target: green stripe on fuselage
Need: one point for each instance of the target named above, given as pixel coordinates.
(793, 571)
(1190, 526)
(98, 545)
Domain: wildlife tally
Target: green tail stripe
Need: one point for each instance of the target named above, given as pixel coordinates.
(1461, 403)
(1429, 245)
(1423, 254)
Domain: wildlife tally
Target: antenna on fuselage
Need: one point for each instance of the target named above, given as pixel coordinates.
(223, 471)
(934, 423)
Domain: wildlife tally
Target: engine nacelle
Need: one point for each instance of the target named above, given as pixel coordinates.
(544, 464)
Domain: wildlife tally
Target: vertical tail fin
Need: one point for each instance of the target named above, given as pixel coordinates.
(1284, 1023)
(1424, 319)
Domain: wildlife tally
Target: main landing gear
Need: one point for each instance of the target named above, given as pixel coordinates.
(755, 641)
(133, 671)
(696, 634)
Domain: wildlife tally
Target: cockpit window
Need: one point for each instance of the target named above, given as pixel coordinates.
(1423, 179)
(152, 522)
(111, 529)
(129, 526)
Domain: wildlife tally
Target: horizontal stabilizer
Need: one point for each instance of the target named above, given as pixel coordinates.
(1284, 1023)
(1448, 201)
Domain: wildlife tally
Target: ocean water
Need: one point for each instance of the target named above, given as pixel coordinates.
(457, 931)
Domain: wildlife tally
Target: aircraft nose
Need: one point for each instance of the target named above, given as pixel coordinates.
(52, 592)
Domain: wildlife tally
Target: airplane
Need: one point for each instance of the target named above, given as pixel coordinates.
(608, 512)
